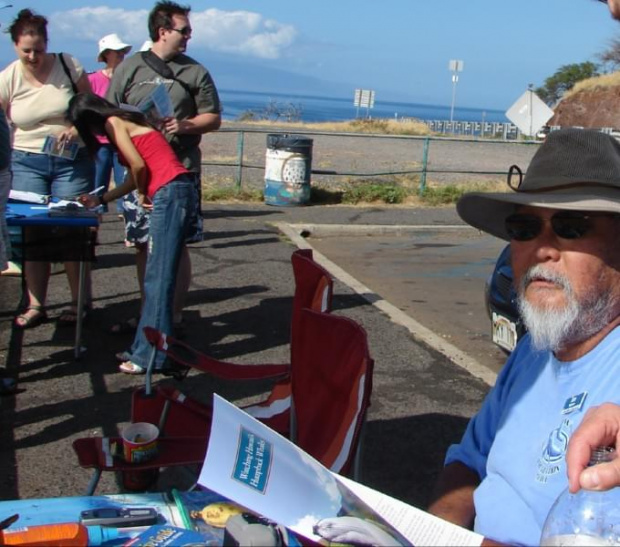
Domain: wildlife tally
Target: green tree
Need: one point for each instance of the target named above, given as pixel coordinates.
(611, 56)
(564, 79)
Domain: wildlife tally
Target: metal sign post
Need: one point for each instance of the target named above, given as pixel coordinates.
(455, 67)
(364, 98)
(529, 113)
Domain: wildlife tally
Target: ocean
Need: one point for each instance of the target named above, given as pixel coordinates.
(332, 109)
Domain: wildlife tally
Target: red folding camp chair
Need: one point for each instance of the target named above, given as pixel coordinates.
(180, 416)
(331, 383)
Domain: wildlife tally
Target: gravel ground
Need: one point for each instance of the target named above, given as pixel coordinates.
(360, 158)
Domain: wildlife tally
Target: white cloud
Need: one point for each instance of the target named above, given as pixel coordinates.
(238, 32)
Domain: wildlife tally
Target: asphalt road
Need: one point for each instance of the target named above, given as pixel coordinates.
(239, 308)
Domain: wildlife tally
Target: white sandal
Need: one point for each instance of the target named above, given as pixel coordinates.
(131, 368)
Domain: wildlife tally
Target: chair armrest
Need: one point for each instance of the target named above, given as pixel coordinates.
(182, 353)
(100, 453)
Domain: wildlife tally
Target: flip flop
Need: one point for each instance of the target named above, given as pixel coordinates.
(131, 368)
(24, 321)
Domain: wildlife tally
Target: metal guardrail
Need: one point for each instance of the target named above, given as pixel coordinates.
(240, 164)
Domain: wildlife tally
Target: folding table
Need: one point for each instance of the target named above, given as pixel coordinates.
(61, 236)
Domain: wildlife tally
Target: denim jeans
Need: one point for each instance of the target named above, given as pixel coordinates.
(106, 164)
(173, 208)
(53, 176)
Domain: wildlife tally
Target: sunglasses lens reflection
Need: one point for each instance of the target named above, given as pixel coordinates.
(523, 227)
(528, 227)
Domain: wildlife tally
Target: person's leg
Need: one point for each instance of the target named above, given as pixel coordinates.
(141, 258)
(30, 174)
(37, 278)
(184, 278)
(72, 178)
(103, 170)
(136, 220)
(195, 235)
(172, 208)
(119, 178)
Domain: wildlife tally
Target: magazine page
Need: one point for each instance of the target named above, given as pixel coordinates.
(259, 469)
(420, 527)
(53, 147)
(157, 105)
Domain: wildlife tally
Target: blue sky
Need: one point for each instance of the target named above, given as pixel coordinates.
(399, 48)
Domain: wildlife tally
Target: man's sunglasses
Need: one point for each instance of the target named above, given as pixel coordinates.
(567, 225)
(185, 31)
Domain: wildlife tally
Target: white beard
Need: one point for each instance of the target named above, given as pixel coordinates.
(551, 329)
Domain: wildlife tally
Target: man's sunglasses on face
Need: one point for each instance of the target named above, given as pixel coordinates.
(185, 31)
(566, 225)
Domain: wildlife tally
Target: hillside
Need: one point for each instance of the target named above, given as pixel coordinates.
(591, 103)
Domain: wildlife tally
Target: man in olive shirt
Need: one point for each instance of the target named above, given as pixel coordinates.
(196, 108)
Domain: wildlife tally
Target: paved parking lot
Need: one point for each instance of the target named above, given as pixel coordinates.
(239, 309)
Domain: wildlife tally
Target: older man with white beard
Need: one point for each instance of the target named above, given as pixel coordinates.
(563, 223)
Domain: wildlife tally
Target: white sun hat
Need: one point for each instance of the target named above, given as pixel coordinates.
(148, 44)
(113, 42)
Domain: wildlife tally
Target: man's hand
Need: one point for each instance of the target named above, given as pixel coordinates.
(171, 126)
(600, 427)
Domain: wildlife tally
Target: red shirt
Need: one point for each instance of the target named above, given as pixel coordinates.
(162, 164)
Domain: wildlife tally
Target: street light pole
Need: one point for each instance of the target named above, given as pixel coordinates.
(455, 67)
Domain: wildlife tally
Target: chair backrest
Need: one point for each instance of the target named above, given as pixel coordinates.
(314, 287)
(331, 387)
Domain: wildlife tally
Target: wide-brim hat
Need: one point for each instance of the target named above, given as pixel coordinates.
(574, 170)
(113, 42)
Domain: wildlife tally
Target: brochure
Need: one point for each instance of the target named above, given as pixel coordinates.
(259, 469)
(155, 107)
(53, 147)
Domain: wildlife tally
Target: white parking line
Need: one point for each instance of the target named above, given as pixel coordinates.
(419, 331)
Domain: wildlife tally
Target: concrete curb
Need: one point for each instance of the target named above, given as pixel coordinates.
(326, 230)
(296, 233)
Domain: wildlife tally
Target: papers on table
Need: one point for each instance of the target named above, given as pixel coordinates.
(28, 197)
(259, 469)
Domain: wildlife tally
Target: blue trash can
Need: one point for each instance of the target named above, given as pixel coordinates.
(288, 164)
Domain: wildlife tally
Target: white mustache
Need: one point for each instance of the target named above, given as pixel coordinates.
(540, 273)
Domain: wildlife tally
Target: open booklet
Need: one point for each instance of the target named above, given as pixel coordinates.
(259, 469)
(155, 107)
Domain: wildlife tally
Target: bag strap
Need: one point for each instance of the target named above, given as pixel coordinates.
(157, 64)
(66, 69)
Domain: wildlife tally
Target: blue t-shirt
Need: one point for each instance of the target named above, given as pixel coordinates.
(5, 142)
(517, 441)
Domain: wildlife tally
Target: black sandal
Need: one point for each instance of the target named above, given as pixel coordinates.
(25, 321)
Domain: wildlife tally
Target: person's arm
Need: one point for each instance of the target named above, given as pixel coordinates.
(599, 427)
(117, 131)
(83, 84)
(198, 125)
(453, 498)
(208, 117)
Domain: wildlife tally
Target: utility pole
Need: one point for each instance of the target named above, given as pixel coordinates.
(455, 67)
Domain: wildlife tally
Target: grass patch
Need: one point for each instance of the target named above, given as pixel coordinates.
(231, 194)
(359, 193)
(442, 195)
(379, 125)
(374, 193)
